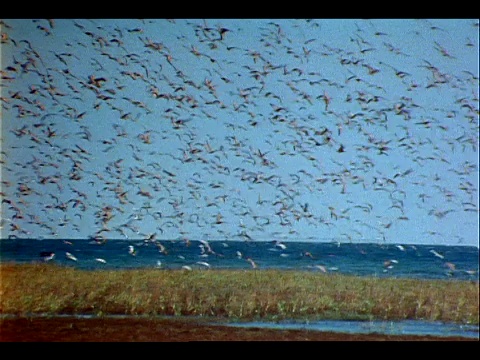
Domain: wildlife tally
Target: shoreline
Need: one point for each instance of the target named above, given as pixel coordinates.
(341, 326)
(144, 329)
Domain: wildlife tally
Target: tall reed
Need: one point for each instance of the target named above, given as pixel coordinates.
(238, 294)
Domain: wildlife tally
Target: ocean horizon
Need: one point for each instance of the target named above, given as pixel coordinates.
(458, 262)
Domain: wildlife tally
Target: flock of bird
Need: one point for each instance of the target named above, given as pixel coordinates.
(204, 129)
(202, 255)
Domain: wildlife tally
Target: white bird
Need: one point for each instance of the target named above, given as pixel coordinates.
(161, 248)
(203, 263)
(321, 268)
(101, 260)
(437, 254)
(252, 263)
(451, 266)
(388, 263)
(205, 246)
(70, 256)
(186, 267)
(47, 256)
(131, 250)
(239, 254)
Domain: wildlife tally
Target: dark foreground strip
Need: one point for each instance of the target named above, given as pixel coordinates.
(71, 329)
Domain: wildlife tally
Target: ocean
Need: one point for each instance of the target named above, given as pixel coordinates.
(379, 260)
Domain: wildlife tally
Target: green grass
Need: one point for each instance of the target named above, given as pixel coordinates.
(233, 294)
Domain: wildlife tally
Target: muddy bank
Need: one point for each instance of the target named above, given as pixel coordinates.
(169, 330)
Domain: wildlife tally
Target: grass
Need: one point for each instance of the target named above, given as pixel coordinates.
(233, 294)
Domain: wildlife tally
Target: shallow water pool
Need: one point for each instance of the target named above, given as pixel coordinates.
(405, 327)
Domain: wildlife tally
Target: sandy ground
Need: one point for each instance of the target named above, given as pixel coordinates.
(168, 330)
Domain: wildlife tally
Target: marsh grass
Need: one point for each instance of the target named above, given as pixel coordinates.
(234, 294)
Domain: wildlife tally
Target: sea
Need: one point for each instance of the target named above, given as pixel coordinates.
(370, 259)
(454, 263)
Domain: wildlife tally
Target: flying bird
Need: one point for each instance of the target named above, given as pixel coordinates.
(47, 255)
(70, 256)
(437, 254)
(131, 250)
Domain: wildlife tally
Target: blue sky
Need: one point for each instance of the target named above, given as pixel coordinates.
(302, 130)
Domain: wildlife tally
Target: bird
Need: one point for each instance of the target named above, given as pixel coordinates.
(203, 263)
(388, 264)
(307, 254)
(161, 248)
(322, 268)
(47, 255)
(280, 245)
(205, 247)
(219, 219)
(131, 250)
(96, 81)
(252, 263)
(70, 256)
(451, 266)
(222, 31)
(436, 254)
(100, 260)
(400, 247)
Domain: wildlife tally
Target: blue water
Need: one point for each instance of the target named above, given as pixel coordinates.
(405, 261)
(405, 327)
